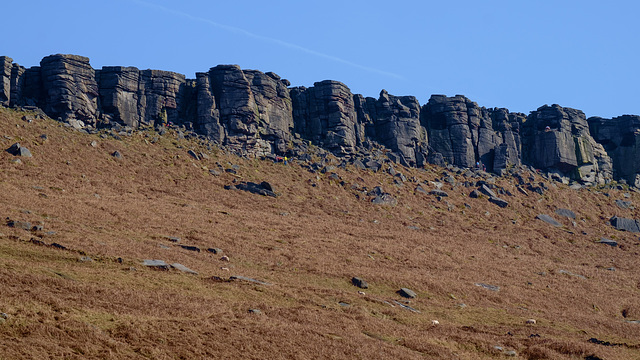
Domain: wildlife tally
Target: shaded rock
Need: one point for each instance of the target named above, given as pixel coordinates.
(498, 201)
(438, 193)
(183, 268)
(487, 191)
(190, 248)
(548, 219)
(156, 264)
(359, 283)
(255, 311)
(420, 189)
(488, 286)
(408, 293)
(193, 154)
(116, 154)
(625, 224)
(25, 225)
(624, 204)
(474, 194)
(18, 150)
(244, 278)
(214, 250)
(385, 199)
(566, 213)
(263, 188)
(607, 242)
(325, 114)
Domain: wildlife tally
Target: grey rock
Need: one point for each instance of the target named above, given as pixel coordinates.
(183, 268)
(356, 281)
(488, 286)
(248, 279)
(18, 150)
(116, 154)
(474, 194)
(566, 213)
(487, 191)
(385, 199)
(173, 239)
(393, 121)
(25, 225)
(438, 193)
(255, 311)
(190, 248)
(624, 224)
(214, 250)
(406, 307)
(569, 273)
(548, 219)
(263, 188)
(193, 154)
(607, 242)
(325, 114)
(420, 189)
(498, 201)
(624, 204)
(408, 293)
(156, 264)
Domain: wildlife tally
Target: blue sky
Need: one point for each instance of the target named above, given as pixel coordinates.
(515, 54)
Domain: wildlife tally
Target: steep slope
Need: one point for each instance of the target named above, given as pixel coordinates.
(479, 269)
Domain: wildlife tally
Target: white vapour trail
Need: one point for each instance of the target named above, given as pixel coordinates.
(238, 30)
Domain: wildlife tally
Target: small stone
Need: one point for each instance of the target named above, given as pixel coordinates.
(566, 213)
(214, 250)
(190, 248)
(183, 268)
(606, 241)
(85, 259)
(173, 239)
(255, 311)
(500, 202)
(510, 353)
(435, 322)
(359, 283)
(94, 143)
(531, 321)
(488, 286)
(408, 293)
(549, 220)
(225, 258)
(156, 264)
(116, 154)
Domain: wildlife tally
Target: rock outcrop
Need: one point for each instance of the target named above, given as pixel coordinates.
(70, 88)
(557, 140)
(620, 138)
(466, 134)
(393, 121)
(258, 114)
(325, 114)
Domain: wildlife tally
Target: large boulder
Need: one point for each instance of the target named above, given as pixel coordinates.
(393, 121)
(558, 140)
(70, 88)
(325, 114)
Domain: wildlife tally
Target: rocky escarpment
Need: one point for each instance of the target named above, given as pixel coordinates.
(255, 114)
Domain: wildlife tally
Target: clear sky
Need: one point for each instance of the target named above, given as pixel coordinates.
(517, 54)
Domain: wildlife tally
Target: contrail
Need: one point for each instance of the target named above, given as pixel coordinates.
(244, 32)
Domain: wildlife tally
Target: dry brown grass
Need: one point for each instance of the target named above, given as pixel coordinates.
(307, 243)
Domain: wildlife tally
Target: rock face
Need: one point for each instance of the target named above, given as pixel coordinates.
(620, 138)
(6, 63)
(325, 114)
(70, 88)
(133, 97)
(393, 121)
(557, 140)
(465, 134)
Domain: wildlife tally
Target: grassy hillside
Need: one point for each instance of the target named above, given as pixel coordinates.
(95, 298)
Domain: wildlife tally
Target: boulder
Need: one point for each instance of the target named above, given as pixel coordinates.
(356, 281)
(624, 224)
(620, 138)
(6, 65)
(408, 293)
(566, 213)
(18, 150)
(498, 201)
(549, 220)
